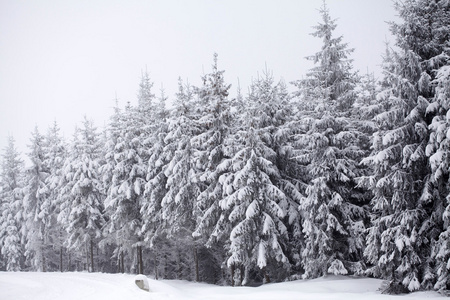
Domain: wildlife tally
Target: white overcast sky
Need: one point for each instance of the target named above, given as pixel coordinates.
(61, 60)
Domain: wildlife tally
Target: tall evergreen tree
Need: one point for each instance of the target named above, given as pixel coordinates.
(11, 209)
(328, 146)
(251, 200)
(55, 152)
(155, 188)
(213, 121)
(246, 216)
(113, 138)
(407, 200)
(82, 210)
(178, 203)
(276, 117)
(36, 214)
(425, 31)
(128, 181)
(438, 150)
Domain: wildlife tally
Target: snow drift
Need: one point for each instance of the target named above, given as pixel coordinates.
(97, 286)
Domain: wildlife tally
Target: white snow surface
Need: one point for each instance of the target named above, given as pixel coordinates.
(98, 286)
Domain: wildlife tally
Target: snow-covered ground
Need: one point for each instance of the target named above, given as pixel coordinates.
(97, 286)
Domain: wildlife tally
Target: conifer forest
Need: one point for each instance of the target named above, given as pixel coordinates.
(335, 173)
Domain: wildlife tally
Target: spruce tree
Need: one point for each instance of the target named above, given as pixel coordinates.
(155, 188)
(36, 215)
(11, 209)
(82, 193)
(110, 235)
(178, 203)
(125, 195)
(252, 207)
(425, 32)
(55, 152)
(408, 201)
(213, 119)
(328, 146)
(438, 150)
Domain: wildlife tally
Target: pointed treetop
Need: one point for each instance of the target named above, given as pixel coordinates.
(215, 62)
(324, 30)
(145, 96)
(161, 110)
(213, 83)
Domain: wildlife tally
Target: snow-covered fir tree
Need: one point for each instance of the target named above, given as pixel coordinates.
(112, 132)
(425, 32)
(178, 203)
(438, 150)
(126, 193)
(328, 146)
(213, 119)
(276, 116)
(155, 188)
(331, 79)
(35, 213)
(82, 194)
(145, 97)
(408, 201)
(11, 209)
(64, 188)
(55, 152)
(252, 206)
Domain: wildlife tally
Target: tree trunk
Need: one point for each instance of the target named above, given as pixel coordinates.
(121, 263)
(232, 274)
(61, 259)
(197, 277)
(242, 270)
(179, 267)
(92, 256)
(44, 269)
(165, 266)
(155, 261)
(266, 276)
(140, 261)
(136, 265)
(86, 267)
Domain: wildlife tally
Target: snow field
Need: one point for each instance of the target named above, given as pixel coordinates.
(98, 286)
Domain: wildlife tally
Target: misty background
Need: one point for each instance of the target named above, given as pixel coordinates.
(61, 60)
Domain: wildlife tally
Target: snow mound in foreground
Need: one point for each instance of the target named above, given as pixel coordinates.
(98, 286)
